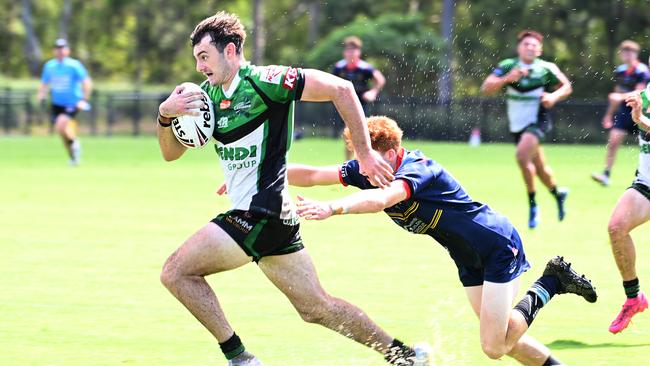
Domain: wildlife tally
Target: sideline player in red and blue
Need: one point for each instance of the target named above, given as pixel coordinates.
(425, 199)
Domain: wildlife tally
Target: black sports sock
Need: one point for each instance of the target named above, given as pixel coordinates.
(607, 172)
(233, 347)
(553, 191)
(550, 361)
(632, 288)
(531, 199)
(540, 294)
(399, 354)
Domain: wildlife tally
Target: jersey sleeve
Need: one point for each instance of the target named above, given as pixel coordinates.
(282, 84)
(417, 175)
(503, 67)
(349, 175)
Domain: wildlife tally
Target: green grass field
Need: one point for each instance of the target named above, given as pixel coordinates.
(81, 252)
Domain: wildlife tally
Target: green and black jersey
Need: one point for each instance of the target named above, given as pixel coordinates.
(253, 132)
(524, 96)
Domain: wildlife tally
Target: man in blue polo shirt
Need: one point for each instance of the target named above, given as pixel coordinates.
(70, 88)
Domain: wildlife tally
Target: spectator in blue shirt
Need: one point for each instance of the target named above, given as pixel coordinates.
(70, 87)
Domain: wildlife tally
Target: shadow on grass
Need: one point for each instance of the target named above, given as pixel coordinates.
(571, 344)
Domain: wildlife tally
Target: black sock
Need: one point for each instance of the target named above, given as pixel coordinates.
(531, 199)
(540, 294)
(607, 172)
(399, 354)
(553, 191)
(632, 288)
(550, 361)
(233, 347)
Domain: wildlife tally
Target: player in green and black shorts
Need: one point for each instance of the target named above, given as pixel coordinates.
(533, 86)
(254, 120)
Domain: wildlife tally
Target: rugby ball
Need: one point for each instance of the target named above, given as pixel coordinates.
(195, 131)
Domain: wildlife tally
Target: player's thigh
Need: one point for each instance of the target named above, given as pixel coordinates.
(295, 275)
(527, 146)
(496, 306)
(209, 250)
(474, 295)
(61, 122)
(631, 210)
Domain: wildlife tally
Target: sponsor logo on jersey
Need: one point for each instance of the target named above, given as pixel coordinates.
(272, 75)
(290, 78)
(237, 153)
(224, 104)
(645, 148)
(246, 104)
(222, 122)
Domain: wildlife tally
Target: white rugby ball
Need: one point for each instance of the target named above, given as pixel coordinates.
(195, 131)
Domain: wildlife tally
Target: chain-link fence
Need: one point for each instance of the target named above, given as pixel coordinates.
(133, 113)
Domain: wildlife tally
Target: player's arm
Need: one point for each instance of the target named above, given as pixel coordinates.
(494, 83)
(378, 82)
(87, 88)
(366, 201)
(321, 87)
(562, 91)
(42, 91)
(633, 100)
(177, 104)
(307, 176)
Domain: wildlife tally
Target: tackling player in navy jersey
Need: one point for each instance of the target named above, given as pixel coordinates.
(425, 199)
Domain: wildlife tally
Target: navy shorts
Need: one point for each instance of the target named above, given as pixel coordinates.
(506, 262)
(623, 121)
(58, 109)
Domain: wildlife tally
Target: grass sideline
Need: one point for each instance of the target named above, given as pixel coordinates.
(82, 250)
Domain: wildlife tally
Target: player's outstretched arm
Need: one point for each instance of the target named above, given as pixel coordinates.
(564, 89)
(307, 176)
(321, 87)
(177, 104)
(366, 201)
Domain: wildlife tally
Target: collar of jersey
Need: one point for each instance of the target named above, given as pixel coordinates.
(233, 86)
(400, 157)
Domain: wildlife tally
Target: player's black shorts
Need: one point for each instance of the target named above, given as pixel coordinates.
(260, 235)
(58, 109)
(623, 121)
(506, 262)
(538, 129)
(641, 188)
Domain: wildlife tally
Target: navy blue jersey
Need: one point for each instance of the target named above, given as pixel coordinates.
(438, 206)
(627, 78)
(360, 75)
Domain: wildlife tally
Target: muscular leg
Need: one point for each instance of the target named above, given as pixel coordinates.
(616, 138)
(632, 210)
(527, 350)
(526, 151)
(544, 171)
(65, 130)
(209, 250)
(294, 274)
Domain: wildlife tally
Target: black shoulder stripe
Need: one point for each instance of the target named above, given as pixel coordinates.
(259, 91)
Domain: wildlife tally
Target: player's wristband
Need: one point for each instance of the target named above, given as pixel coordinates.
(339, 209)
(163, 124)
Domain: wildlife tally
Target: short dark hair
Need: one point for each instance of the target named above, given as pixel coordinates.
(223, 28)
(530, 33)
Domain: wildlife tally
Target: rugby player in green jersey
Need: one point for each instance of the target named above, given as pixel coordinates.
(533, 86)
(631, 211)
(254, 119)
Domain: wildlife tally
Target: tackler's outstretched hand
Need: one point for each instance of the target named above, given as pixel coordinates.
(313, 210)
(378, 171)
(222, 190)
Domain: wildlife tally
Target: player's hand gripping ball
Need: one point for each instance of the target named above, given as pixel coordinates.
(195, 131)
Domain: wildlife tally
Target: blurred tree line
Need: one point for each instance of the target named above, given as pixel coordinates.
(147, 41)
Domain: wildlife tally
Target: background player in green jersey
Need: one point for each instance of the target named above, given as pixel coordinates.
(532, 87)
(254, 113)
(631, 211)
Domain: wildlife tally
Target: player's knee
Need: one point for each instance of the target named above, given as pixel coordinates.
(523, 158)
(316, 311)
(493, 351)
(616, 229)
(169, 276)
